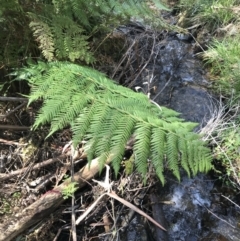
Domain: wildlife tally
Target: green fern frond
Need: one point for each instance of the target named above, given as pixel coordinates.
(120, 137)
(63, 28)
(106, 116)
(141, 147)
(173, 154)
(158, 151)
(44, 37)
(182, 144)
(60, 37)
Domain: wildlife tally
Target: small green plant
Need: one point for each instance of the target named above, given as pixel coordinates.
(6, 206)
(228, 153)
(69, 190)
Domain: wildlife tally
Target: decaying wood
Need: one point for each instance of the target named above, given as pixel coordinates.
(43, 207)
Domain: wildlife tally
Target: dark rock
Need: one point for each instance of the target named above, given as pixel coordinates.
(193, 102)
(214, 237)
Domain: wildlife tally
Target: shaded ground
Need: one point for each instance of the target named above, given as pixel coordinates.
(179, 84)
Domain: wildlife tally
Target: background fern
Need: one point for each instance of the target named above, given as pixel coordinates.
(63, 30)
(72, 22)
(107, 115)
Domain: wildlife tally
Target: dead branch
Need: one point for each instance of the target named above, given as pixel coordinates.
(13, 99)
(7, 142)
(15, 127)
(108, 186)
(43, 207)
(4, 176)
(13, 111)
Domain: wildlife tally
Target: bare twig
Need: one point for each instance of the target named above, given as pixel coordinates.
(12, 111)
(43, 207)
(14, 127)
(128, 204)
(7, 142)
(107, 186)
(220, 218)
(124, 202)
(73, 217)
(123, 58)
(230, 201)
(12, 99)
(5, 176)
(147, 62)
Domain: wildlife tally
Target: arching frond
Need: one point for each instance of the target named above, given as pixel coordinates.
(106, 116)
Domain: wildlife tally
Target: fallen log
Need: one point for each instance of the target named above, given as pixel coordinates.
(42, 208)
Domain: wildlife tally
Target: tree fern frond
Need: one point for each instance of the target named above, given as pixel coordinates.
(190, 154)
(158, 140)
(172, 154)
(106, 116)
(69, 112)
(44, 37)
(94, 131)
(182, 145)
(48, 112)
(204, 160)
(102, 159)
(141, 147)
(105, 133)
(81, 124)
(121, 135)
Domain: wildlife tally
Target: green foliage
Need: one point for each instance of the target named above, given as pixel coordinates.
(224, 61)
(228, 153)
(106, 116)
(15, 36)
(69, 190)
(62, 30)
(129, 165)
(212, 13)
(61, 39)
(7, 205)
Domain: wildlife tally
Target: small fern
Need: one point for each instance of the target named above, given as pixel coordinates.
(69, 190)
(107, 115)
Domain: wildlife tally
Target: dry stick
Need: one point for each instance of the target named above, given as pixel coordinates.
(13, 99)
(12, 111)
(43, 207)
(7, 142)
(123, 58)
(124, 202)
(128, 204)
(220, 218)
(73, 214)
(13, 127)
(230, 201)
(145, 65)
(4, 176)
